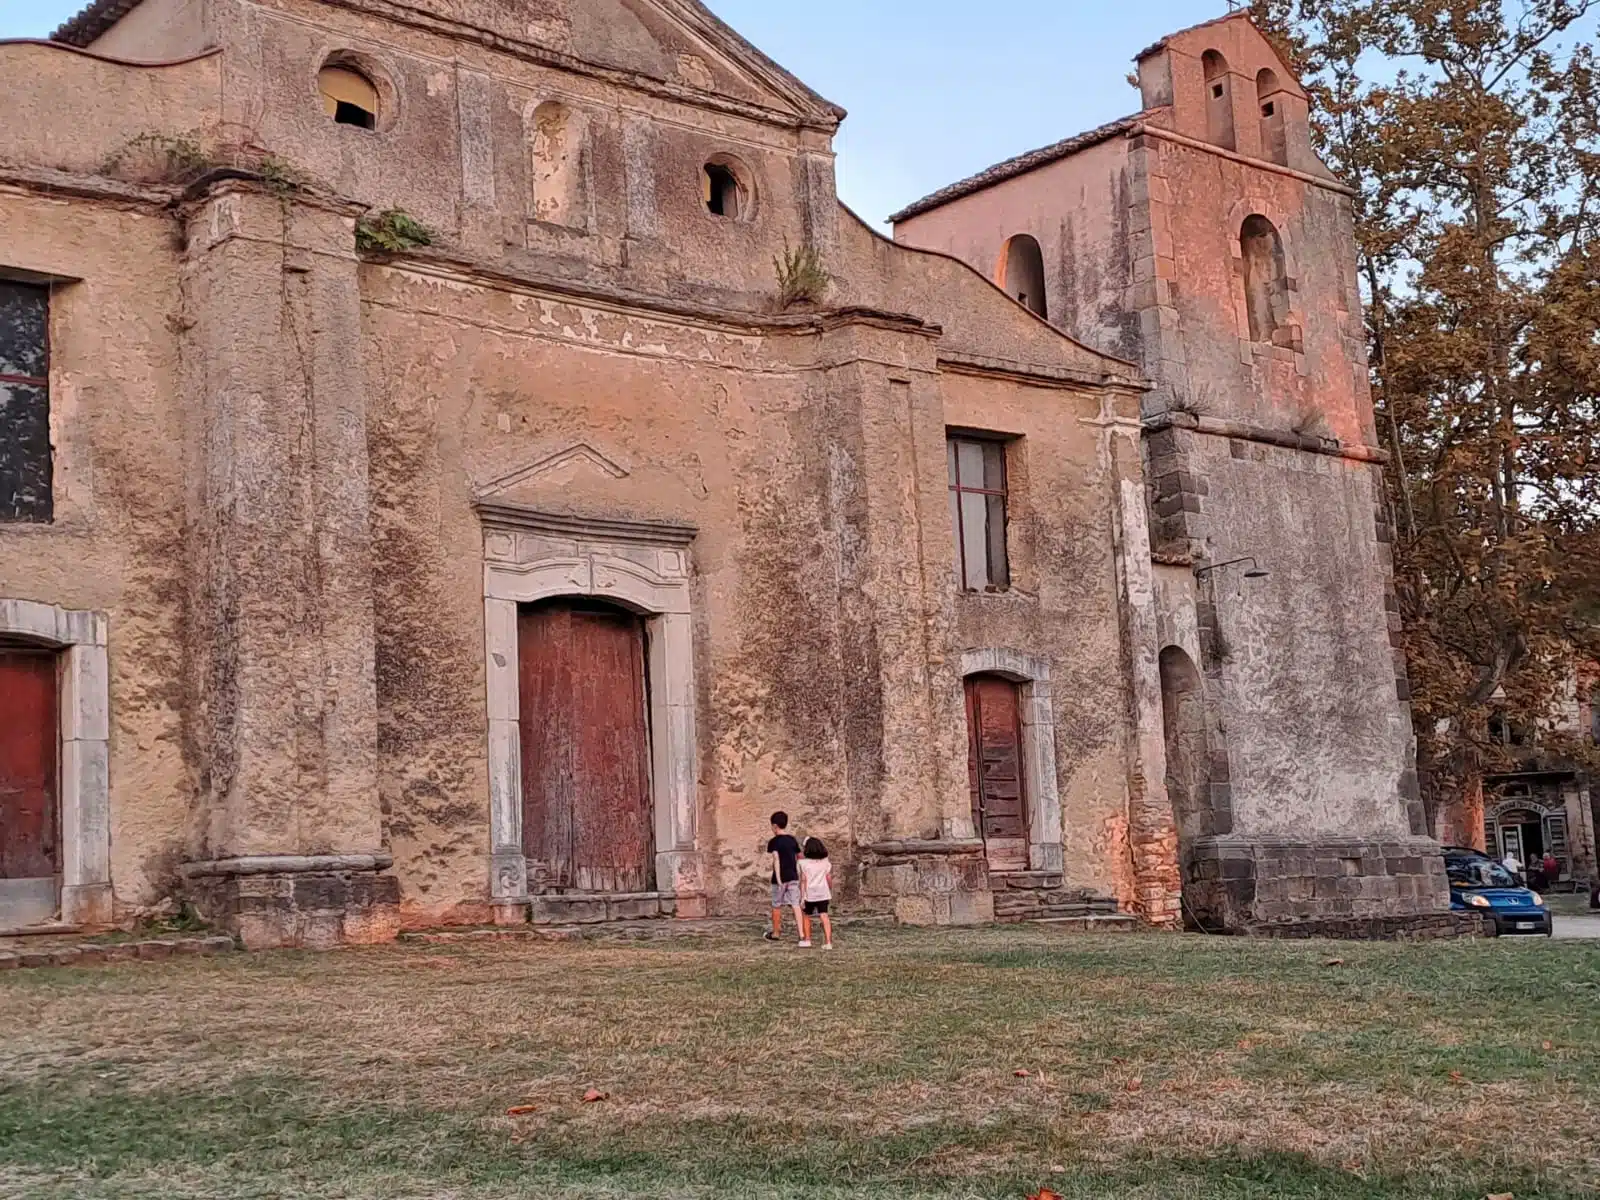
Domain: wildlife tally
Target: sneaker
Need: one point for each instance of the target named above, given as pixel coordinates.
(769, 936)
(827, 945)
(805, 945)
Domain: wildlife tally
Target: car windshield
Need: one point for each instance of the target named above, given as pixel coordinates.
(1479, 872)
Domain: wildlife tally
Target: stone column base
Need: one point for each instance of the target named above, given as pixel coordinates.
(929, 882)
(89, 905)
(311, 902)
(1242, 885)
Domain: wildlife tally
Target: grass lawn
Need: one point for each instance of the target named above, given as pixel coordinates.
(1158, 1067)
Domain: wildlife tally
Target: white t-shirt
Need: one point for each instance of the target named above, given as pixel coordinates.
(814, 874)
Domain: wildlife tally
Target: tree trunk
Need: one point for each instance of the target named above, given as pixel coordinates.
(1462, 819)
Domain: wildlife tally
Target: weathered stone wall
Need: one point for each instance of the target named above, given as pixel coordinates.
(1081, 211)
(72, 111)
(458, 128)
(116, 545)
(1062, 603)
(1258, 446)
(273, 454)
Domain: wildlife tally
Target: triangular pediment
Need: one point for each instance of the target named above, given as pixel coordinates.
(676, 45)
(579, 458)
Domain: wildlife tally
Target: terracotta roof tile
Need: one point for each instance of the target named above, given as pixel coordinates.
(1162, 44)
(93, 21)
(1020, 165)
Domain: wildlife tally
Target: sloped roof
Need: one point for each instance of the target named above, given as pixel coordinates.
(1020, 165)
(1240, 15)
(100, 15)
(92, 21)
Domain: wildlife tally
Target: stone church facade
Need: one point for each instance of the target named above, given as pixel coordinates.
(420, 502)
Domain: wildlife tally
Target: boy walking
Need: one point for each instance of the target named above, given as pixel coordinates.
(785, 853)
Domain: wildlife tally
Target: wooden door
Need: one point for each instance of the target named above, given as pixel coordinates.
(586, 812)
(29, 822)
(994, 769)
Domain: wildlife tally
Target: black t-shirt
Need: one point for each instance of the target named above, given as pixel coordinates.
(788, 852)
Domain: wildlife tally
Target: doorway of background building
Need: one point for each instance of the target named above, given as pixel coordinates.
(30, 819)
(994, 770)
(586, 807)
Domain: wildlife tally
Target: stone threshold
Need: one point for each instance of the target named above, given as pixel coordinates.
(95, 954)
(1100, 923)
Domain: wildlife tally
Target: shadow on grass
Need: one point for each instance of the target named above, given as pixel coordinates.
(279, 1132)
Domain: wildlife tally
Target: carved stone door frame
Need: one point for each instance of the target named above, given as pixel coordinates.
(644, 566)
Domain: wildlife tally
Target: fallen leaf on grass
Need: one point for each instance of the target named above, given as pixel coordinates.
(1045, 1194)
(1135, 1084)
(1549, 1046)
(1500, 1196)
(1022, 1074)
(1334, 962)
(521, 1110)
(593, 1096)
(1457, 1077)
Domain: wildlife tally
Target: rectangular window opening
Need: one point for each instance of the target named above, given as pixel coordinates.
(1216, 91)
(1268, 109)
(345, 113)
(977, 470)
(25, 454)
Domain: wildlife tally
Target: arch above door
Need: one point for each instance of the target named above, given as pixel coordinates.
(1038, 720)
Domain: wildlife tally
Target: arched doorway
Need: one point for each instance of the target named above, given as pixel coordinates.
(995, 771)
(586, 796)
(1022, 274)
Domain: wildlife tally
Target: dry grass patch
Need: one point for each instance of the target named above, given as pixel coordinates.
(1155, 1067)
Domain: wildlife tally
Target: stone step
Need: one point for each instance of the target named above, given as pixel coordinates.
(589, 908)
(94, 954)
(1026, 880)
(1119, 923)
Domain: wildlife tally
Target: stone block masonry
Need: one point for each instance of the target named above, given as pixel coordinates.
(1239, 884)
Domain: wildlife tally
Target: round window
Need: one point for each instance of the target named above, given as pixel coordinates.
(348, 97)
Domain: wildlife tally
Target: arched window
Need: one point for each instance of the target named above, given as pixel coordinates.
(1266, 283)
(1269, 100)
(726, 189)
(557, 166)
(1219, 100)
(1022, 274)
(348, 96)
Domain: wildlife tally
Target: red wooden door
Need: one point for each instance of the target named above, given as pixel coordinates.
(28, 742)
(994, 770)
(586, 813)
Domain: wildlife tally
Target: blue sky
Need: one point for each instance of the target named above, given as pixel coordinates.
(936, 89)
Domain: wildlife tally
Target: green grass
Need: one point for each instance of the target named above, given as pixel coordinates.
(1157, 1067)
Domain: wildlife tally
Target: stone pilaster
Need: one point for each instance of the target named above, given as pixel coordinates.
(280, 636)
(1152, 830)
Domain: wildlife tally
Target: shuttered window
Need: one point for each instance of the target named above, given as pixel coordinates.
(25, 466)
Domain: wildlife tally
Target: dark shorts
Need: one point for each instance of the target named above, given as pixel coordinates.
(814, 908)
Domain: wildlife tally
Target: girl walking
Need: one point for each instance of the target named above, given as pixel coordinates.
(816, 890)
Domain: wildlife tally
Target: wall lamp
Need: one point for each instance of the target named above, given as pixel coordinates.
(1256, 571)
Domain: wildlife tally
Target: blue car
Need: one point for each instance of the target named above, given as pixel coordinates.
(1479, 884)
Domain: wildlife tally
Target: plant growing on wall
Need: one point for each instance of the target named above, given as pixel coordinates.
(802, 279)
(1469, 130)
(393, 231)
